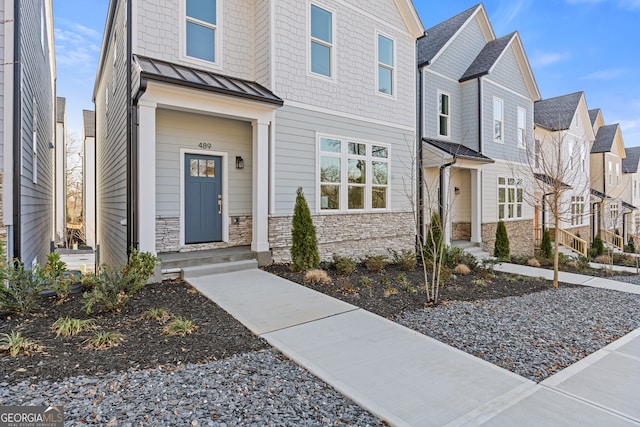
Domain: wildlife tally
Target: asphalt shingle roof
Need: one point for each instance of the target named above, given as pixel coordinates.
(437, 36)
(89, 123)
(593, 114)
(61, 105)
(487, 57)
(630, 163)
(604, 138)
(556, 113)
(457, 150)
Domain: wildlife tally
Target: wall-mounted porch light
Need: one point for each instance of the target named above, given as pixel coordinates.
(239, 162)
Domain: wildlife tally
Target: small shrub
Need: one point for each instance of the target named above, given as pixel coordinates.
(572, 264)
(55, 273)
(179, 326)
(376, 263)
(405, 259)
(624, 259)
(304, 247)
(367, 283)
(67, 326)
(454, 256)
(545, 245)
(390, 291)
(478, 282)
(582, 263)
(103, 340)
(631, 246)
(345, 285)
(15, 344)
(344, 265)
(532, 262)
(598, 246)
(159, 314)
(22, 293)
(462, 269)
(603, 259)
(317, 276)
(501, 248)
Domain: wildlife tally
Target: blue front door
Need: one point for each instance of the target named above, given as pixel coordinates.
(202, 198)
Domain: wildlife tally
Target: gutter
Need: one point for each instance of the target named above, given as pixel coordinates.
(480, 115)
(132, 149)
(14, 252)
(419, 178)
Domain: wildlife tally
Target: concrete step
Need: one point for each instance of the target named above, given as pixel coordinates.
(226, 267)
(179, 260)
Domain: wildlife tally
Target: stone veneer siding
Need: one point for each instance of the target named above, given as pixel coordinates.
(353, 235)
(168, 235)
(521, 236)
(461, 231)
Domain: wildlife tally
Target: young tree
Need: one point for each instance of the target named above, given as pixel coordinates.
(304, 247)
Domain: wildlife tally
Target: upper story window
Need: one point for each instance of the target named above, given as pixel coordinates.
(202, 29)
(385, 65)
(498, 120)
(443, 115)
(321, 41)
(617, 174)
(610, 172)
(522, 127)
(43, 28)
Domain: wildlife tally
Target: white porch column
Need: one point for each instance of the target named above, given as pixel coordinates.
(147, 176)
(447, 205)
(476, 206)
(260, 193)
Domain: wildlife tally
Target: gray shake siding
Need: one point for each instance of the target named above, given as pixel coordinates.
(36, 201)
(111, 158)
(296, 154)
(263, 43)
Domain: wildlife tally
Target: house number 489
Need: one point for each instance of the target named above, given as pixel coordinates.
(205, 145)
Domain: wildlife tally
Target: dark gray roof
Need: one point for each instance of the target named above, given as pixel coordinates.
(556, 113)
(487, 57)
(437, 36)
(89, 123)
(628, 206)
(630, 163)
(604, 138)
(550, 181)
(61, 104)
(593, 114)
(155, 69)
(457, 150)
(599, 194)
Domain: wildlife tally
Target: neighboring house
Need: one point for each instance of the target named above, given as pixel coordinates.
(236, 104)
(476, 96)
(89, 176)
(607, 186)
(563, 139)
(27, 135)
(631, 194)
(60, 154)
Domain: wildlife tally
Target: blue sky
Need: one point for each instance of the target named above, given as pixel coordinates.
(589, 45)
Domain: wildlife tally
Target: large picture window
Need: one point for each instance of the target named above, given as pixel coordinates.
(510, 198)
(201, 29)
(385, 65)
(321, 41)
(354, 175)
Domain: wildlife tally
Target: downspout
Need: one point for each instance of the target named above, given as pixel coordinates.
(419, 150)
(17, 132)
(480, 115)
(132, 141)
(604, 191)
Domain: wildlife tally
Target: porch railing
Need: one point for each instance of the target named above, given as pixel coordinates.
(612, 239)
(572, 242)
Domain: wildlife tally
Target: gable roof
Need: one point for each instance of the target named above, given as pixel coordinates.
(436, 37)
(630, 163)
(457, 150)
(556, 113)
(487, 58)
(593, 115)
(410, 17)
(605, 138)
(89, 123)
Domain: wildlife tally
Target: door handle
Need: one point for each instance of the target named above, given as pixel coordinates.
(219, 204)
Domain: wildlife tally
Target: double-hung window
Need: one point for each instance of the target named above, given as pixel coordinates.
(613, 212)
(577, 210)
(522, 127)
(385, 65)
(321, 41)
(202, 29)
(354, 175)
(443, 114)
(510, 198)
(498, 120)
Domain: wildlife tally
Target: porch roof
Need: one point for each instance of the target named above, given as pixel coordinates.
(628, 206)
(457, 150)
(599, 194)
(550, 180)
(163, 71)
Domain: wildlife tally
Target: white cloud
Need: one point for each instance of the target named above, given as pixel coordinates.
(623, 4)
(507, 12)
(543, 59)
(76, 46)
(608, 74)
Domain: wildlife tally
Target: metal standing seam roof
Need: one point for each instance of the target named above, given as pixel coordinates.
(89, 123)
(457, 150)
(599, 194)
(556, 113)
(630, 163)
(155, 69)
(604, 138)
(628, 206)
(487, 57)
(437, 36)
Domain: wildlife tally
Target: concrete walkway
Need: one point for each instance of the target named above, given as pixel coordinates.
(409, 379)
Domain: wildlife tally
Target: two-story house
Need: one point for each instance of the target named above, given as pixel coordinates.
(563, 140)
(27, 129)
(211, 113)
(631, 194)
(476, 98)
(89, 176)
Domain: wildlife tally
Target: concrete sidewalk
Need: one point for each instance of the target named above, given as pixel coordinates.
(407, 378)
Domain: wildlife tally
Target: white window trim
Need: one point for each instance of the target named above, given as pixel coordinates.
(617, 174)
(344, 181)
(332, 56)
(493, 123)
(610, 172)
(523, 143)
(577, 210)
(219, 31)
(448, 136)
(394, 68)
(506, 186)
(43, 28)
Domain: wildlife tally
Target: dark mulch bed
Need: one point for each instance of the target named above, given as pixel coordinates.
(479, 285)
(218, 335)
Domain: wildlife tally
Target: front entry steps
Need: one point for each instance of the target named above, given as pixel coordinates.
(203, 263)
(472, 248)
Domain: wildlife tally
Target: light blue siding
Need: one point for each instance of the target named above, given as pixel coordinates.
(462, 51)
